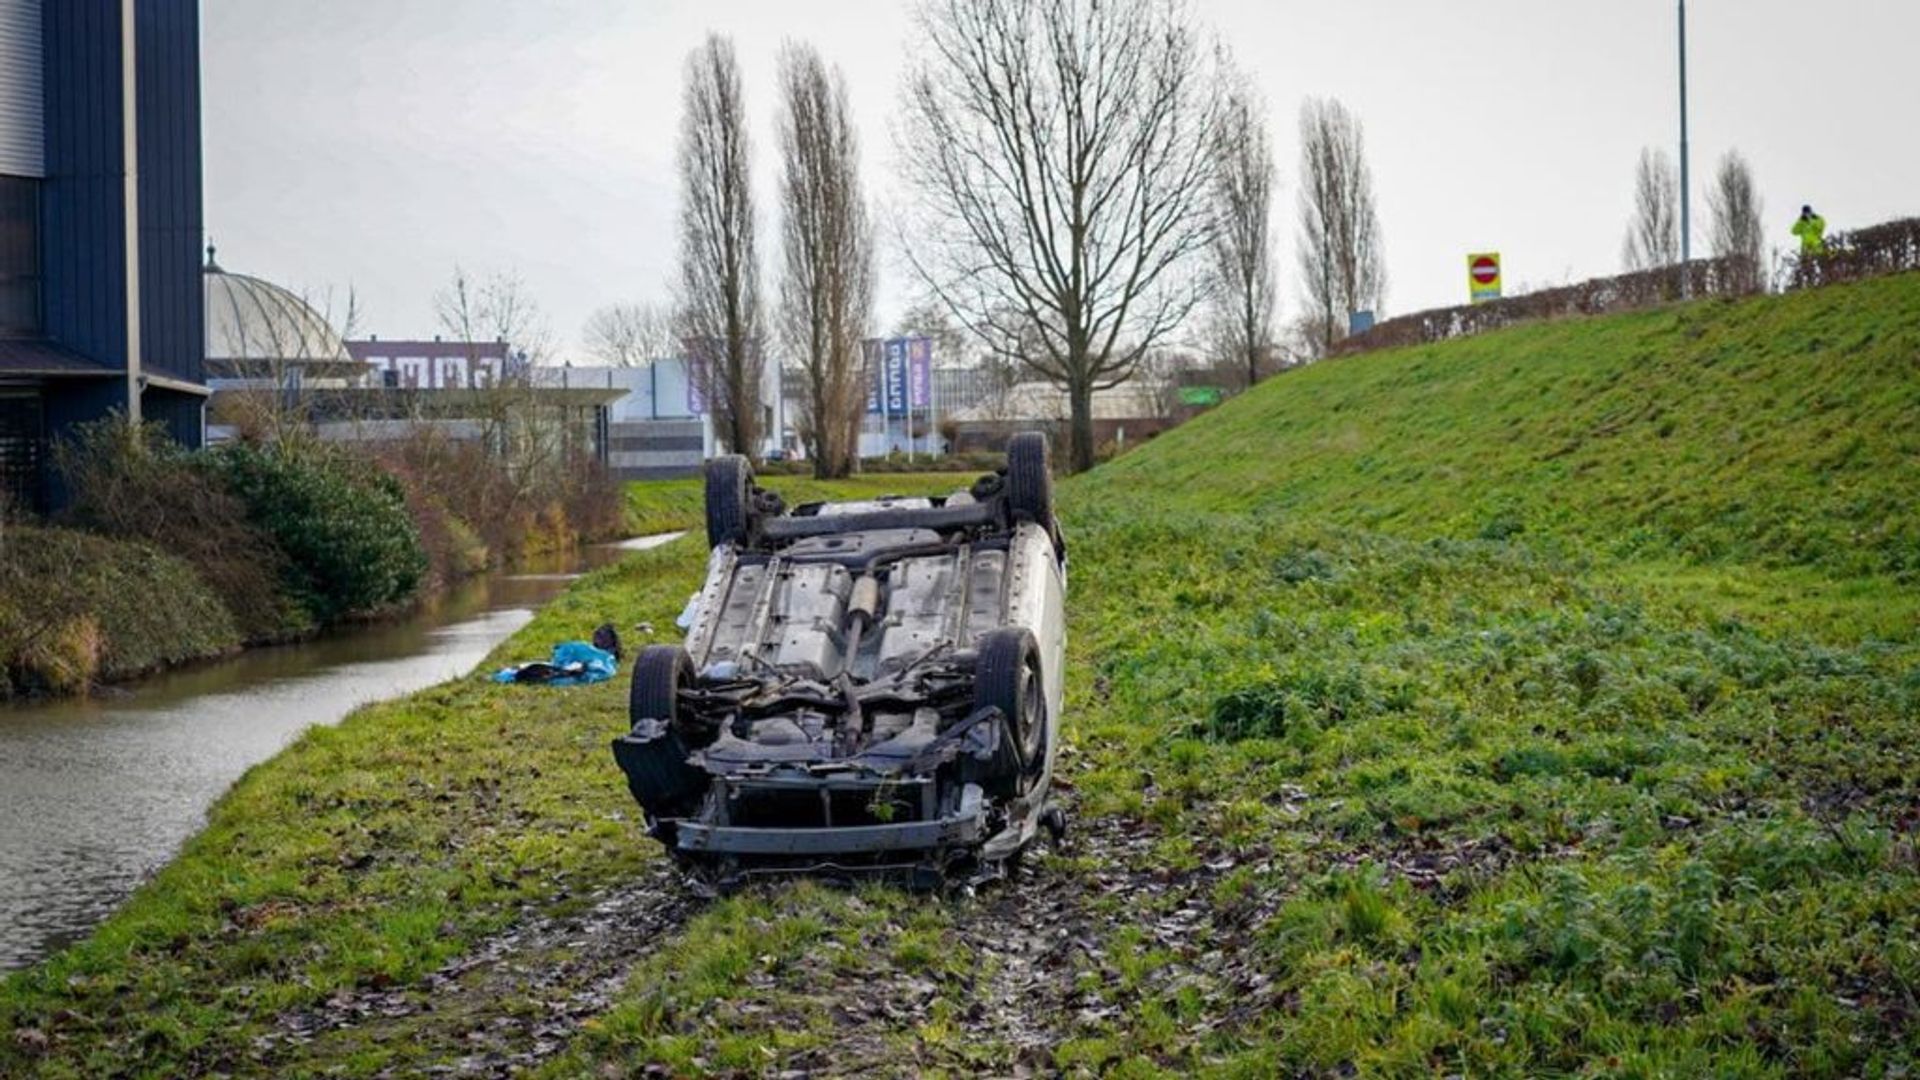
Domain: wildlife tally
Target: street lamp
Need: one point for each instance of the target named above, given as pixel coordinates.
(1686, 197)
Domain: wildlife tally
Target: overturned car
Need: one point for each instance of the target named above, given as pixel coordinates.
(865, 687)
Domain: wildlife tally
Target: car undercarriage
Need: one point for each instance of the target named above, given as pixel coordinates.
(865, 688)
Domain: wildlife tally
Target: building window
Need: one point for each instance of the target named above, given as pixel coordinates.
(22, 445)
(19, 257)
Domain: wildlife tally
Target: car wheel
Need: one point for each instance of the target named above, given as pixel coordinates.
(653, 754)
(660, 672)
(1030, 478)
(730, 503)
(1006, 676)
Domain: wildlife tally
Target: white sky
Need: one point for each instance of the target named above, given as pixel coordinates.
(378, 143)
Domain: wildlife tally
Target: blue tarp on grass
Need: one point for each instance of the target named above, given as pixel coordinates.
(574, 663)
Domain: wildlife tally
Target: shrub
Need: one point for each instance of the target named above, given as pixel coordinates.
(454, 548)
(343, 525)
(595, 502)
(137, 484)
(1317, 696)
(542, 510)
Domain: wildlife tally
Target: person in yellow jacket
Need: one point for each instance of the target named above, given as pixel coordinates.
(1812, 231)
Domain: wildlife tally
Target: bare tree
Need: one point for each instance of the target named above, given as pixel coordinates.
(719, 294)
(1057, 152)
(493, 310)
(1737, 232)
(1342, 267)
(1163, 371)
(629, 335)
(1242, 246)
(826, 291)
(1653, 235)
(953, 345)
(493, 315)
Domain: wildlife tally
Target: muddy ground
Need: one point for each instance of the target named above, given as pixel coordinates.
(1039, 960)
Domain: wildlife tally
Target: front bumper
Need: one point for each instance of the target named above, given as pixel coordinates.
(966, 826)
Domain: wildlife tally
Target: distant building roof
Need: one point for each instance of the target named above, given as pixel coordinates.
(375, 348)
(1135, 400)
(255, 328)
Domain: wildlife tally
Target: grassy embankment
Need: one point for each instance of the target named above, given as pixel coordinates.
(1542, 703)
(75, 608)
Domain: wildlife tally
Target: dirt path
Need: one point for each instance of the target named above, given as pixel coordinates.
(511, 1002)
(1051, 954)
(1047, 965)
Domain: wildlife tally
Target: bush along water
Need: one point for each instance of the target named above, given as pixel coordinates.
(164, 555)
(138, 485)
(76, 608)
(343, 525)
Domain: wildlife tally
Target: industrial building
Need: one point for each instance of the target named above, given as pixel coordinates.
(100, 225)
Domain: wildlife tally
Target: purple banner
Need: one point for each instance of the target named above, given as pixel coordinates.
(896, 376)
(872, 352)
(920, 372)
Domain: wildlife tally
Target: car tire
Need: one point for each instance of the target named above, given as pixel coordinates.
(1006, 676)
(660, 672)
(730, 501)
(653, 754)
(1030, 478)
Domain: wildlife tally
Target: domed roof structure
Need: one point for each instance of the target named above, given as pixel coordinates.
(258, 330)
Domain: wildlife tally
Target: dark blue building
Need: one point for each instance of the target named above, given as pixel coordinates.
(100, 228)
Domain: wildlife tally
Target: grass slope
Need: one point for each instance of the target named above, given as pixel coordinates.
(1538, 704)
(76, 607)
(1774, 432)
(669, 505)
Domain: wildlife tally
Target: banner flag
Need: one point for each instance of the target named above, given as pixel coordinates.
(920, 372)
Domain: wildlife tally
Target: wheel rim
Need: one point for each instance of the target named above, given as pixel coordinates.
(1033, 719)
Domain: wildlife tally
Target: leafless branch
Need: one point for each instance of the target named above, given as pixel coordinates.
(1342, 266)
(629, 335)
(1057, 152)
(1243, 181)
(719, 293)
(1737, 232)
(826, 288)
(1653, 234)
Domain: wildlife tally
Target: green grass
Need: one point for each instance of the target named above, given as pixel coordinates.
(1538, 704)
(75, 608)
(670, 505)
(1775, 432)
(1543, 822)
(1563, 685)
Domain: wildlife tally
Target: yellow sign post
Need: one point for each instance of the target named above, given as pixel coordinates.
(1483, 276)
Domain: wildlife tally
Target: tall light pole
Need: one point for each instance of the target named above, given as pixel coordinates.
(1686, 196)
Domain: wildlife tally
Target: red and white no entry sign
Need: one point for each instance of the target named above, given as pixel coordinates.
(1483, 275)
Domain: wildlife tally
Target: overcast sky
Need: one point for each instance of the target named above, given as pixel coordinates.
(378, 143)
